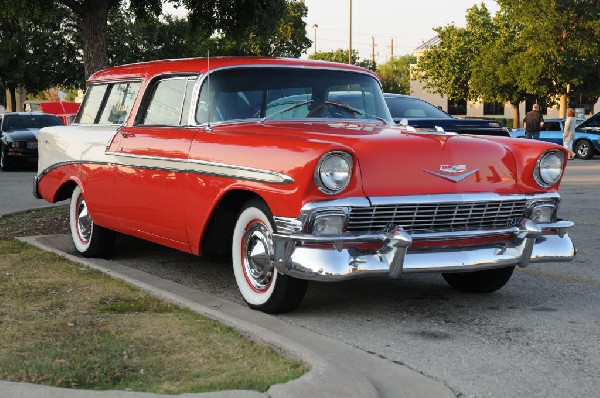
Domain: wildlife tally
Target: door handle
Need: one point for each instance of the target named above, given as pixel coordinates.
(126, 134)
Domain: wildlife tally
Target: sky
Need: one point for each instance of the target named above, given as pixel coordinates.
(408, 22)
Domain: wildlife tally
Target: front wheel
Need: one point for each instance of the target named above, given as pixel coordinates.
(261, 286)
(90, 240)
(485, 281)
(584, 149)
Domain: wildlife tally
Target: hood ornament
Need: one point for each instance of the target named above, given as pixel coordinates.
(454, 173)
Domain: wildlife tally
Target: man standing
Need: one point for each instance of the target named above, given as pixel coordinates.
(533, 122)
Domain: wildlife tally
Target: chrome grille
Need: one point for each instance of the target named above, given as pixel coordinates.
(438, 217)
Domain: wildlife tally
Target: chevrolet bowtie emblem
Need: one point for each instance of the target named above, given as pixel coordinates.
(454, 173)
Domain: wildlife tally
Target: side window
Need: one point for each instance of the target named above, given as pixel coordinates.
(552, 126)
(119, 103)
(169, 102)
(91, 104)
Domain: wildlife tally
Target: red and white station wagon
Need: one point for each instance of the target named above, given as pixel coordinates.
(296, 168)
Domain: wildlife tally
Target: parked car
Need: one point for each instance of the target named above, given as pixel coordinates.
(421, 114)
(587, 135)
(18, 135)
(64, 110)
(262, 160)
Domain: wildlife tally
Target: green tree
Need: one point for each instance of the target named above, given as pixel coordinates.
(249, 27)
(495, 81)
(241, 27)
(446, 68)
(341, 56)
(38, 51)
(395, 74)
(136, 39)
(561, 41)
(91, 19)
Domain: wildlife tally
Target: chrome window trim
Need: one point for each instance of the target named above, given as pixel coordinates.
(204, 76)
(152, 84)
(107, 82)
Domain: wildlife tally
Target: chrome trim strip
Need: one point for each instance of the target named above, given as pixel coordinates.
(453, 178)
(197, 167)
(459, 197)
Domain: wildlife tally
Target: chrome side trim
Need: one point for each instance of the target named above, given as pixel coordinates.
(189, 166)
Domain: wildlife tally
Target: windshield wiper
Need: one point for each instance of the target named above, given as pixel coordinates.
(289, 108)
(354, 110)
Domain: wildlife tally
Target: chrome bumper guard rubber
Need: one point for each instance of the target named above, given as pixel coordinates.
(327, 258)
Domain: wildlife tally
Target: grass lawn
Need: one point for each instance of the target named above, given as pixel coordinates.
(63, 324)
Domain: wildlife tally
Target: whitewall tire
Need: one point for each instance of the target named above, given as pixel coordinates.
(90, 240)
(261, 286)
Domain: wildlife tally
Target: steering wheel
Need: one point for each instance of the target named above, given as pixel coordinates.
(330, 109)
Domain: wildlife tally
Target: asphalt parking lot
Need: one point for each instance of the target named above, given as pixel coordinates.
(539, 336)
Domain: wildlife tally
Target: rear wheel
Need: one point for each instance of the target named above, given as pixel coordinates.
(485, 281)
(584, 149)
(261, 286)
(90, 240)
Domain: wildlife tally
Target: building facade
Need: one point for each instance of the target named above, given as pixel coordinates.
(480, 108)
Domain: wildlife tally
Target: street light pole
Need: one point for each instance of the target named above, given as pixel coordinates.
(315, 26)
(350, 37)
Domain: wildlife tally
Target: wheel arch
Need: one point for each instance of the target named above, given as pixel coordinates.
(218, 234)
(65, 191)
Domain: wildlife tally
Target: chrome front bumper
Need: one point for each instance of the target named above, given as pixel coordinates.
(306, 256)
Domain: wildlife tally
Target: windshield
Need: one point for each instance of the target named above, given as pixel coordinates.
(20, 122)
(290, 93)
(406, 107)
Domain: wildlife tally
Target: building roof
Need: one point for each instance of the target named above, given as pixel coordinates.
(429, 43)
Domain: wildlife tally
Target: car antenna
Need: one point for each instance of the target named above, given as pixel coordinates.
(208, 128)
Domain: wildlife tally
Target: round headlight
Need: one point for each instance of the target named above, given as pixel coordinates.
(333, 172)
(549, 168)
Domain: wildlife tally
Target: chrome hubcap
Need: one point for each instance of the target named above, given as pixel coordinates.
(583, 149)
(84, 221)
(257, 256)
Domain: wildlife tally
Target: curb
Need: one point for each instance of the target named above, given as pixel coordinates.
(336, 369)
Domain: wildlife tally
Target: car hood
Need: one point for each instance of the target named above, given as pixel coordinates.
(435, 163)
(457, 125)
(393, 161)
(22, 134)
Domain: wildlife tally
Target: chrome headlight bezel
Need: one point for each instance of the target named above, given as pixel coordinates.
(549, 168)
(18, 144)
(334, 172)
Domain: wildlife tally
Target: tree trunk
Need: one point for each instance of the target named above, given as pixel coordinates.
(12, 106)
(563, 106)
(94, 17)
(516, 116)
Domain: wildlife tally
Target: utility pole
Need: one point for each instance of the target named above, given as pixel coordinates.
(315, 26)
(373, 49)
(392, 48)
(350, 37)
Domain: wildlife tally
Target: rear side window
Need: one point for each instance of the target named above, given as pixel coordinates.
(91, 104)
(169, 102)
(119, 103)
(108, 103)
